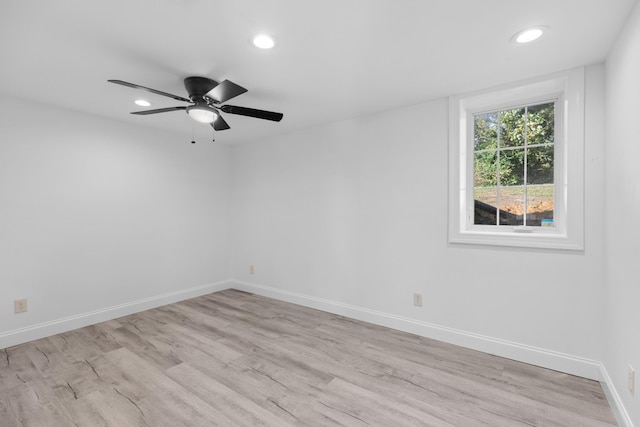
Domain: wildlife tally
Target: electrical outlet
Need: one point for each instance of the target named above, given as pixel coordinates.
(631, 382)
(251, 270)
(20, 305)
(417, 300)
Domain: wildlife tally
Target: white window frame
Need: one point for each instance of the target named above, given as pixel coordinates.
(567, 89)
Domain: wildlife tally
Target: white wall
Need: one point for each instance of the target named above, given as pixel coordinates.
(622, 205)
(96, 213)
(356, 213)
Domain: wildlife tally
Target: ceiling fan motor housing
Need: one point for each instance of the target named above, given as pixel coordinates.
(198, 87)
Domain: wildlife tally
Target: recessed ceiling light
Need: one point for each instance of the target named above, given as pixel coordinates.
(142, 103)
(264, 41)
(528, 35)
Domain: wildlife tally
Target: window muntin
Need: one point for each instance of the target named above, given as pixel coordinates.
(513, 166)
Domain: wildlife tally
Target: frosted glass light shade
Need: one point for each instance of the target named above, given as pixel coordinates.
(201, 114)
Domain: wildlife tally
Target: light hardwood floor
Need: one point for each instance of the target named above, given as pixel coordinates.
(238, 359)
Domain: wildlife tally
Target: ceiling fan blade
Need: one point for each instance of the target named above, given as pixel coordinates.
(159, 110)
(252, 112)
(220, 124)
(225, 91)
(157, 92)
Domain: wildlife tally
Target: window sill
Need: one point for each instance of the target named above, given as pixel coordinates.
(534, 239)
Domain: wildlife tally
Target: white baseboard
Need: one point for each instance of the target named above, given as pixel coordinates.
(34, 332)
(550, 359)
(622, 416)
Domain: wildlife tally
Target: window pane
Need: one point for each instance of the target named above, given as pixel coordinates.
(512, 127)
(503, 176)
(511, 205)
(540, 165)
(486, 131)
(540, 205)
(485, 210)
(485, 169)
(540, 124)
(512, 167)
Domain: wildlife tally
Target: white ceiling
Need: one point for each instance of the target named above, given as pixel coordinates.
(334, 59)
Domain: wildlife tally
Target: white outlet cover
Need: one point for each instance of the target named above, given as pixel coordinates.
(20, 306)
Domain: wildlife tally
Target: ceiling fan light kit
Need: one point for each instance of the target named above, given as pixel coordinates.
(206, 97)
(202, 113)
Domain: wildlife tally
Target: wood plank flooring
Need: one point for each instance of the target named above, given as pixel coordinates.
(238, 359)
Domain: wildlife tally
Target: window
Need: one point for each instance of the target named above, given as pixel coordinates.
(516, 164)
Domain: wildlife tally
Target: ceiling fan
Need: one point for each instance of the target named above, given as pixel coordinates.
(206, 96)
